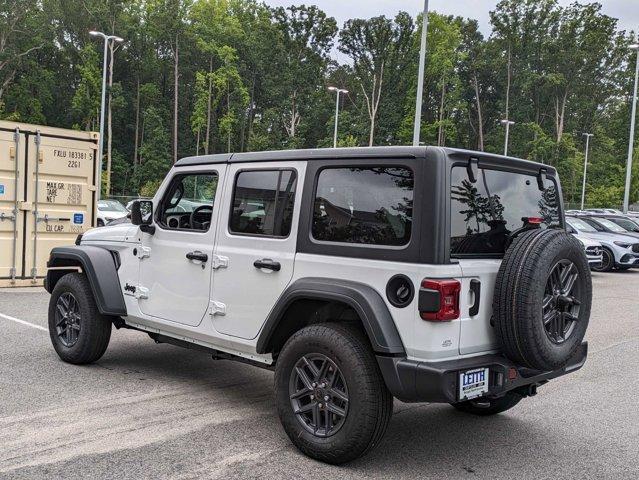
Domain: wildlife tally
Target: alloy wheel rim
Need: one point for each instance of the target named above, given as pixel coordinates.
(561, 302)
(318, 395)
(67, 319)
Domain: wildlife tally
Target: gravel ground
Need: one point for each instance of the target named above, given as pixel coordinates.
(157, 411)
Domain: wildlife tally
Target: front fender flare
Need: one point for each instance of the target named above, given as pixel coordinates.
(99, 266)
(364, 299)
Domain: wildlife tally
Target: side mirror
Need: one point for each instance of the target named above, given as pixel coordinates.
(142, 215)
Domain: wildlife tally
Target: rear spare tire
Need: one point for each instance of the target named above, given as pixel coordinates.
(542, 300)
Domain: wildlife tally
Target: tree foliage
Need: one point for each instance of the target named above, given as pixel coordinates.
(211, 76)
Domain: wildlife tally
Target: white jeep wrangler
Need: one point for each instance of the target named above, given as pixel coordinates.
(357, 275)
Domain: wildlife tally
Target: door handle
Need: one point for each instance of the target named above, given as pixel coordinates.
(475, 287)
(268, 264)
(197, 255)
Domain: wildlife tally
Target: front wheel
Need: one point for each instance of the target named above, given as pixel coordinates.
(607, 262)
(331, 397)
(79, 333)
(484, 407)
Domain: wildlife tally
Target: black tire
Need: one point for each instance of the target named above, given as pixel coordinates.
(538, 324)
(370, 404)
(92, 330)
(485, 407)
(607, 261)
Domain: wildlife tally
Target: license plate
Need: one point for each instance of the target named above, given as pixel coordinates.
(473, 383)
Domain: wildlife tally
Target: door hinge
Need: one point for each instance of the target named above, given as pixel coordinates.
(217, 308)
(219, 262)
(144, 252)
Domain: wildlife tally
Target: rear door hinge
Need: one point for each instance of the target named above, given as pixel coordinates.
(219, 261)
(144, 252)
(217, 308)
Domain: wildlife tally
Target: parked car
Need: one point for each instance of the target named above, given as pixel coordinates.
(627, 223)
(619, 251)
(109, 210)
(333, 268)
(602, 224)
(608, 211)
(592, 248)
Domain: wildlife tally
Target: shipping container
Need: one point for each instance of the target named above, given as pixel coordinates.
(48, 196)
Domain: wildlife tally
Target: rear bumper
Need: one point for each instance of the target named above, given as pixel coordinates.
(437, 382)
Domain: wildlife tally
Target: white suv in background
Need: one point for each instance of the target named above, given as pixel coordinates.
(109, 210)
(358, 275)
(593, 249)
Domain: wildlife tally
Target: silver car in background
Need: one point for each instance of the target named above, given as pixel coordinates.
(619, 251)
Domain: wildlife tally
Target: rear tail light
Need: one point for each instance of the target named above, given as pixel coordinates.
(439, 300)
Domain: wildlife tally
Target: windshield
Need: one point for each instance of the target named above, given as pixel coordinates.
(111, 206)
(612, 226)
(627, 224)
(580, 225)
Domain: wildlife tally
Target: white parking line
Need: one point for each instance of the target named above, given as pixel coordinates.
(17, 320)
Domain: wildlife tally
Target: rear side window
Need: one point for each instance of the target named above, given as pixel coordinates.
(263, 202)
(370, 205)
(485, 213)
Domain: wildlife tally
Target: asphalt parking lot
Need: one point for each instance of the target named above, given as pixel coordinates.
(157, 411)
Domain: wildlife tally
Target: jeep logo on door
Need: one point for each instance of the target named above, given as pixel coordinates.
(129, 289)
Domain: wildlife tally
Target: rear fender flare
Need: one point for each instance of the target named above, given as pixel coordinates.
(364, 299)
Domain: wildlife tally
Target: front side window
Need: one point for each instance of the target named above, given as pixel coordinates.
(370, 205)
(263, 202)
(485, 213)
(188, 202)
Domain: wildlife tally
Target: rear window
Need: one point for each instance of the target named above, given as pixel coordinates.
(485, 213)
(370, 205)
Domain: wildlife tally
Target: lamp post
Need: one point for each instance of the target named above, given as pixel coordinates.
(338, 91)
(420, 78)
(583, 186)
(107, 39)
(507, 123)
(631, 143)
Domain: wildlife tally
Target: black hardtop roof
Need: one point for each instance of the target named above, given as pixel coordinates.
(393, 152)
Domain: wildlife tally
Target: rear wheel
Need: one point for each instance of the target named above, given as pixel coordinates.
(79, 333)
(485, 406)
(607, 262)
(331, 398)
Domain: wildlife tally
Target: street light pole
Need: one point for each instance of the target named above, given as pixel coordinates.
(337, 91)
(420, 78)
(631, 143)
(583, 186)
(107, 39)
(507, 123)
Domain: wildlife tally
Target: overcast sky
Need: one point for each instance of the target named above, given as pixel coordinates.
(627, 11)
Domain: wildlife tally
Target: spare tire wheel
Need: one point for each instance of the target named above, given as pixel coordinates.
(542, 300)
